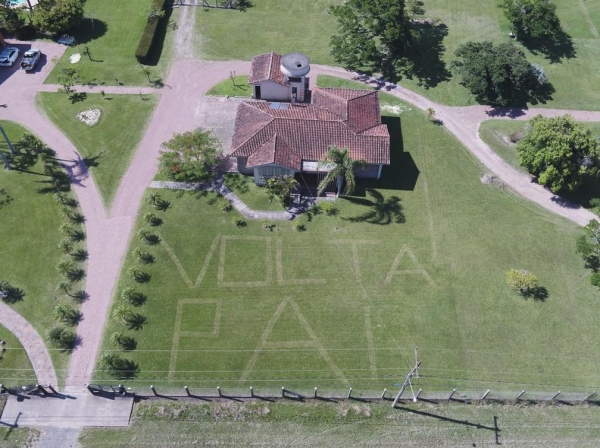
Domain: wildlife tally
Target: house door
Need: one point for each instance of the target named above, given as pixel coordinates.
(257, 92)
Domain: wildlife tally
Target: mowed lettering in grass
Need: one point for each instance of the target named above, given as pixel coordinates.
(247, 261)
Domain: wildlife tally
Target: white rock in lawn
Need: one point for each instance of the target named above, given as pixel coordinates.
(90, 116)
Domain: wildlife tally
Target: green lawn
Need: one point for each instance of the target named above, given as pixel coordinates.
(245, 306)
(15, 437)
(29, 224)
(306, 26)
(108, 146)
(226, 88)
(112, 39)
(350, 424)
(269, 25)
(15, 367)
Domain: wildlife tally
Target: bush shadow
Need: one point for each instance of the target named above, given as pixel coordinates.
(159, 38)
(539, 294)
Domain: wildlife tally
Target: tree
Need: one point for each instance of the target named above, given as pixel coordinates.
(521, 280)
(373, 35)
(497, 75)
(190, 157)
(560, 152)
(67, 81)
(281, 187)
(588, 246)
(10, 19)
(55, 16)
(532, 18)
(341, 168)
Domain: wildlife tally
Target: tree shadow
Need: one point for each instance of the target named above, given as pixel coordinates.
(128, 343)
(147, 258)
(539, 293)
(92, 161)
(427, 64)
(383, 211)
(138, 299)
(13, 294)
(152, 240)
(78, 97)
(136, 321)
(142, 277)
(88, 30)
(162, 205)
(80, 296)
(73, 318)
(554, 49)
(124, 369)
(76, 275)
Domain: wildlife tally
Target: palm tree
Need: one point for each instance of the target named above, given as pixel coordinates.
(342, 168)
(65, 287)
(122, 313)
(65, 246)
(64, 267)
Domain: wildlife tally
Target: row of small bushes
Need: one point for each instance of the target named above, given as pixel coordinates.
(146, 44)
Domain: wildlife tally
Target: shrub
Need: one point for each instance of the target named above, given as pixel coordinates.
(146, 44)
(522, 281)
(299, 227)
(239, 222)
(225, 205)
(329, 208)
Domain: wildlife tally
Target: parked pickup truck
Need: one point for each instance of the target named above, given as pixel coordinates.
(30, 58)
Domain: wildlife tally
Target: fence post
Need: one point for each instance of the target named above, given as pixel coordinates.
(3, 389)
(451, 394)
(587, 398)
(282, 392)
(251, 392)
(349, 393)
(520, 394)
(383, 394)
(315, 391)
(153, 390)
(554, 397)
(219, 391)
(485, 395)
(187, 390)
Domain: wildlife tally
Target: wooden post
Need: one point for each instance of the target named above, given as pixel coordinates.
(521, 394)
(349, 393)
(251, 392)
(555, 396)
(451, 394)
(187, 391)
(282, 392)
(315, 391)
(153, 390)
(485, 394)
(383, 394)
(219, 391)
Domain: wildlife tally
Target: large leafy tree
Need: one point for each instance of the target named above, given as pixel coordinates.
(190, 157)
(341, 167)
(373, 35)
(532, 18)
(10, 19)
(498, 75)
(560, 152)
(55, 16)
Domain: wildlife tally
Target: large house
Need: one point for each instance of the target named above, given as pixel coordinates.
(275, 138)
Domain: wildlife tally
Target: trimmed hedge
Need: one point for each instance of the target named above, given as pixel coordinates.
(146, 44)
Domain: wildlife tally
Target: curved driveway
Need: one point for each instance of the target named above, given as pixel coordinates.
(108, 232)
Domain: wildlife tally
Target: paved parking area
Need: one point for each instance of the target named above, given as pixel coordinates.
(217, 113)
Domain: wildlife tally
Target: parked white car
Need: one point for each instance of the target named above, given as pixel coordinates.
(30, 58)
(8, 56)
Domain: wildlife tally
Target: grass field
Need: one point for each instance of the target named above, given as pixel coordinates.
(305, 26)
(226, 88)
(29, 225)
(112, 38)
(15, 367)
(108, 146)
(347, 424)
(344, 303)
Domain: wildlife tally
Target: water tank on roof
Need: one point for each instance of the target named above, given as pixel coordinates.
(295, 64)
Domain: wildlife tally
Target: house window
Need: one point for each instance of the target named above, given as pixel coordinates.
(294, 79)
(267, 172)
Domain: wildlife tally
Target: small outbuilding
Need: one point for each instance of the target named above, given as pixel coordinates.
(274, 77)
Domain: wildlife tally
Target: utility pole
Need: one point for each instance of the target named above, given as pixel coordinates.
(417, 362)
(12, 149)
(406, 383)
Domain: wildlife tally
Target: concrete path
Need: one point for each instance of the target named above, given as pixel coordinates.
(32, 342)
(75, 407)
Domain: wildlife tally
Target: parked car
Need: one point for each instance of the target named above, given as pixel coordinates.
(8, 56)
(30, 58)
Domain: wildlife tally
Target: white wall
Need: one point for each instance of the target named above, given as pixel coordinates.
(272, 91)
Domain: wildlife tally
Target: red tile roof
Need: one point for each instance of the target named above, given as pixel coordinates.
(346, 118)
(266, 67)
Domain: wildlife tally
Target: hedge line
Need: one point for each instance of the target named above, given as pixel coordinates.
(144, 49)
